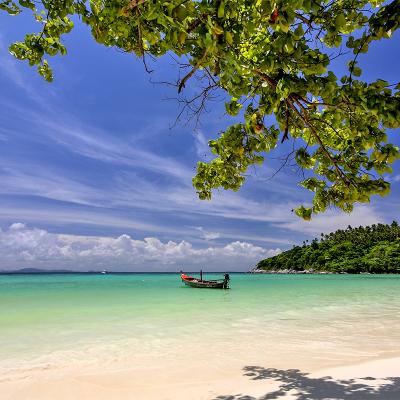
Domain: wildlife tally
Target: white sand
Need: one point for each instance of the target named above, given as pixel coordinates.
(202, 380)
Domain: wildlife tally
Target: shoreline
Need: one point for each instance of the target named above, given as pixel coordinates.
(310, 272)
(291, 271)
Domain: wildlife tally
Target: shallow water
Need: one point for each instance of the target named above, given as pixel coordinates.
(316, 319)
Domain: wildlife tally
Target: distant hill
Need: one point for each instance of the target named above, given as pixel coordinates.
(38, 271)
(370, 249)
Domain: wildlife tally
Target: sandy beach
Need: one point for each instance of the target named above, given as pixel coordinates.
(376, 379)
(199, 200)
(270, 337)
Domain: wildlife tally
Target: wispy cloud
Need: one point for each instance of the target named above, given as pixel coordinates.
(70, 216)
(131, 191)
(201, 144)
(94, 143)
(34, 180)
(333, 220)
(7, 66)
(130, 187)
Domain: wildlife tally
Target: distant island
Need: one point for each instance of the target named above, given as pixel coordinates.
(44, 271)
(38, 271)
(32, 271)
(372, 249)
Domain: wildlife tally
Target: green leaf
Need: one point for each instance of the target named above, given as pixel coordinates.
(10, 7)
(45, 70)
(304, 213)
(221, 10)
(356, 71)
(340, 21)
(233, 107)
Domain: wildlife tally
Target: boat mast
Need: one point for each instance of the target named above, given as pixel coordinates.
(201, 275)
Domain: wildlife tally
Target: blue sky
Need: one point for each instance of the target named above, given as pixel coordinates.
(93, 176)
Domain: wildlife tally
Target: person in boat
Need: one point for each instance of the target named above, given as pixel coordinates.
(226, 281)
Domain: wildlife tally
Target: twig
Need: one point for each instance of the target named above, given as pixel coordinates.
(304, 19)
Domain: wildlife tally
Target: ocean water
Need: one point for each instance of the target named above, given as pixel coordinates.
(308, 319)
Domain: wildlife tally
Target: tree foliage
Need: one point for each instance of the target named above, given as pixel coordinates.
(273, 59)
(373, 249)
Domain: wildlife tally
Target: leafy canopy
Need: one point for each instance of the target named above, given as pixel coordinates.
(273, 56)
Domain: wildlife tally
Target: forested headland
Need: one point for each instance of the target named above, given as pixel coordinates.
(370, 249)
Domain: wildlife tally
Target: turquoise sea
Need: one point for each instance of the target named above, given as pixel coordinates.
(335, 318)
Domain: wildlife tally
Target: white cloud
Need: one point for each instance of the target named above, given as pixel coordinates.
(22, 246)
(17, 226)
(396, 178)
(274, 252)
(211, 235)
(206, 235)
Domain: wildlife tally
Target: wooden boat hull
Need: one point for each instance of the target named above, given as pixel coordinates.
(193, 282)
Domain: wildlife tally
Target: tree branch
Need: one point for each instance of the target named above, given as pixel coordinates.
(304, 117)
(292, 101)
(190, 74)
(304, 19)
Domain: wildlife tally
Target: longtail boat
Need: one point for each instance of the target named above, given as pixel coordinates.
(201, 283)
